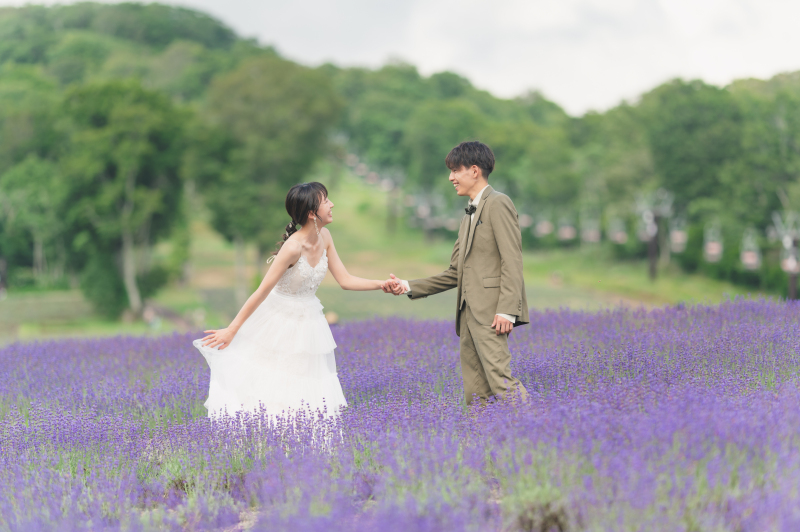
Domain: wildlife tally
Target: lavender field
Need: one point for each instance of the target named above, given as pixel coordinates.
(672, 419)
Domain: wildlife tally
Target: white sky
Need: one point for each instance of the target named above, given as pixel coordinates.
(583, 54)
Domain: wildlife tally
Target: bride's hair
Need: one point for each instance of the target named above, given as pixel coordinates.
(301, 200)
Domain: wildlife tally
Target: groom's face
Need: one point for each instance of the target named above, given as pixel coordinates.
(465, 179)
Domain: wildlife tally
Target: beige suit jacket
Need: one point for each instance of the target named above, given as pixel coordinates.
(486, 264)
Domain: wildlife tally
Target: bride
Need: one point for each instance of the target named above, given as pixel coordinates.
(278, 351)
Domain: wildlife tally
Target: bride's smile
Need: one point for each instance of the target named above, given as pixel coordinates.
(325, 211)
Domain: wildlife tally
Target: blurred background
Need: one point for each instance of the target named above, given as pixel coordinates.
(652, 149)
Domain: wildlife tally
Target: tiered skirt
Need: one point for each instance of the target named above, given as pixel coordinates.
(282, 359)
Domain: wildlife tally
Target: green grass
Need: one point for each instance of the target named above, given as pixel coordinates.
(586, 277)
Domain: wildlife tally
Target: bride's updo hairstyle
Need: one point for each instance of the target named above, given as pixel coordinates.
(301, 200)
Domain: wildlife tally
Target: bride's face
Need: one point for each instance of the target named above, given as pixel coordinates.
(325, 212)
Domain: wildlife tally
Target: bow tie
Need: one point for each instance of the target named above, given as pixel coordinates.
(471, 209)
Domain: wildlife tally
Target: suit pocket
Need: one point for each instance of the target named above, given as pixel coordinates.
(491, 282)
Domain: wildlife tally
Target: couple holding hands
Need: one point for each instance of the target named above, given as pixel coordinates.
(278, 352)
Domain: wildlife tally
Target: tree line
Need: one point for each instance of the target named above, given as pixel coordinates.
(108, 113)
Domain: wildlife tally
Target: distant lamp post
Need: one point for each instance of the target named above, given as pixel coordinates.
(566, 230)
(678, 237)
(361, 170)
(786, 227)
(525, 221)
(772, 234)
(616, 231)
(712, 243)
(590, 228)
(543, 228)
(750, 252)
(653, 208)
(646, 229)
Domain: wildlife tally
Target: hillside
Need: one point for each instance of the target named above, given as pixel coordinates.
(232, 125)
(571, 278)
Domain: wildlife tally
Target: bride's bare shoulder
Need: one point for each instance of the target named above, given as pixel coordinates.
(291, 250)
(327, 238)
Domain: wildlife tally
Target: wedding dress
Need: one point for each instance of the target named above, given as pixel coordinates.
(282, 357)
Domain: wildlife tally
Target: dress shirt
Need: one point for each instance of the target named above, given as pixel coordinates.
(476, 201)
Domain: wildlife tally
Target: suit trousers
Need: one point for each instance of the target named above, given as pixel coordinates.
(485, 361)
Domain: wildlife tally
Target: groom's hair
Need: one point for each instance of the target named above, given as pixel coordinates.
(471, 153)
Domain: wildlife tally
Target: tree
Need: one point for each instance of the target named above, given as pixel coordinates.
(28, 107)
(765, 176)
(30, 200)
(271, 119)
(432, 131)
(121, 168)
(694, 129)
(28, 103)
(378, 106)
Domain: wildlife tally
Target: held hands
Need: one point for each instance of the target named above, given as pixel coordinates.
(221, 338)
(501, 325)
(393, 286)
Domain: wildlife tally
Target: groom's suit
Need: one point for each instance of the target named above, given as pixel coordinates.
(486, 267)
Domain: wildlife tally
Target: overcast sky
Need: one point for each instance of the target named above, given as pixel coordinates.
(583, 54)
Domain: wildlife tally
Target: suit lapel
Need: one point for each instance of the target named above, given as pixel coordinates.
(476, 218)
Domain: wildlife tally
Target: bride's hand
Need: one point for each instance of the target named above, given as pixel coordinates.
(221, 338)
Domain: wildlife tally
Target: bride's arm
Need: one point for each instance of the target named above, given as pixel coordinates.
(340, 273)
(288, 255)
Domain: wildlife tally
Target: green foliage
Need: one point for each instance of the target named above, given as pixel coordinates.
(76, 55)
(102, 285)
(184, 69)
(433, 129)
(692, 257)
(153, 279)
(27, 33)
(122, 169)
(544, 174)
(404, 124)
(30, 199)
(763, 177)
(694, 129)
(272, 119)
(94, 166)
(28, 112)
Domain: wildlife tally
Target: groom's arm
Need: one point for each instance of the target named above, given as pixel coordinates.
(505, 224)
(437, 283)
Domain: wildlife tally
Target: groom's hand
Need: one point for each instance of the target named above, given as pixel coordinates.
(501, 325)
(389, 286)
(393, 285)
(398, 288)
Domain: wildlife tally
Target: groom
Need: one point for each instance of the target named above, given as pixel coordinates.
(486, 267)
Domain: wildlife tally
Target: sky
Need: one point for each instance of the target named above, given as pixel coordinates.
(582, 54)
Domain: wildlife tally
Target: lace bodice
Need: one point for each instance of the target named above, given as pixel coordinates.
(302, 279)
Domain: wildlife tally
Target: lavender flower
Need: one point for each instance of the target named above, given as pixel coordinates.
(672, 419)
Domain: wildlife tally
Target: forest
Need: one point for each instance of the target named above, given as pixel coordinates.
(110, 114)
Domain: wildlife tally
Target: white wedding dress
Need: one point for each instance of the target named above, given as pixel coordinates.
(282, 357)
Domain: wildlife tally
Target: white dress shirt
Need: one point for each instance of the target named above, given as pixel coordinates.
(476, 201)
